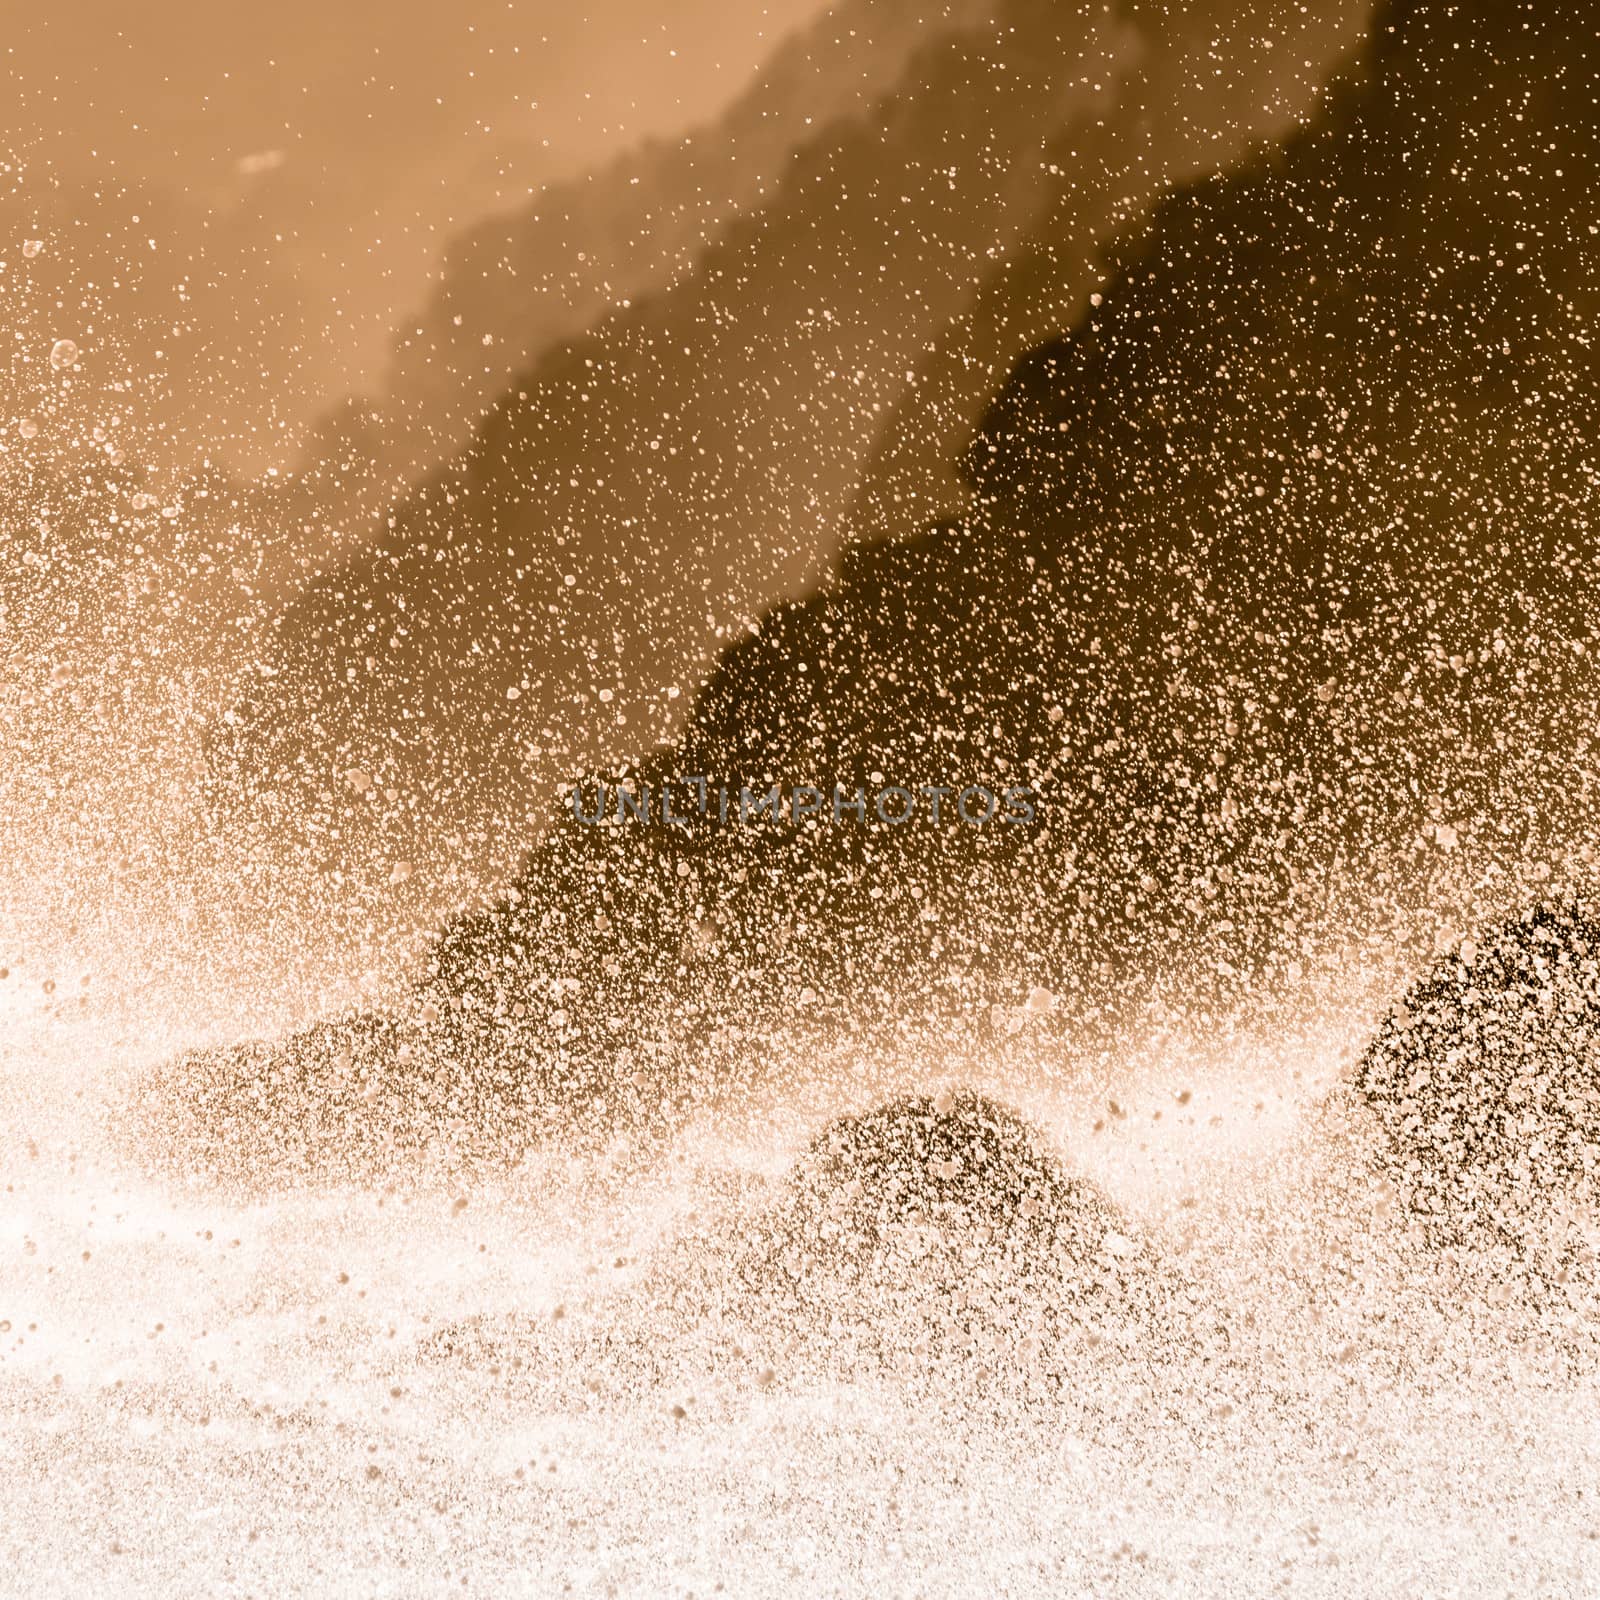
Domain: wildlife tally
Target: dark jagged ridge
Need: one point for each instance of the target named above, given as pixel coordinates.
(1216, 690)
(1278, 560)
(637, 494)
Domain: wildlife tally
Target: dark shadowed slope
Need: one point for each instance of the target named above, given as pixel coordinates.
(1176, 117)
(1275, 580)
(1274, 589)
(645, 491)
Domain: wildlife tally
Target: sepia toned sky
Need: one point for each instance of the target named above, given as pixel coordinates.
(300, 165)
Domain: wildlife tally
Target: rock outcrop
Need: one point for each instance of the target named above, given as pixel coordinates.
(1486, 1077)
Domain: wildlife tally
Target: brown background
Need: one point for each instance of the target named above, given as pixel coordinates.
(301, 165)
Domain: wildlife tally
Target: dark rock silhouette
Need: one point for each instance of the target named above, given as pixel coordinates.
(637, 494)
(1486, 1078)
(958, 1166)
(1275, 570)
(1235, 598)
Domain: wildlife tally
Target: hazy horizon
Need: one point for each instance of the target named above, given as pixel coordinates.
(303, 166)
